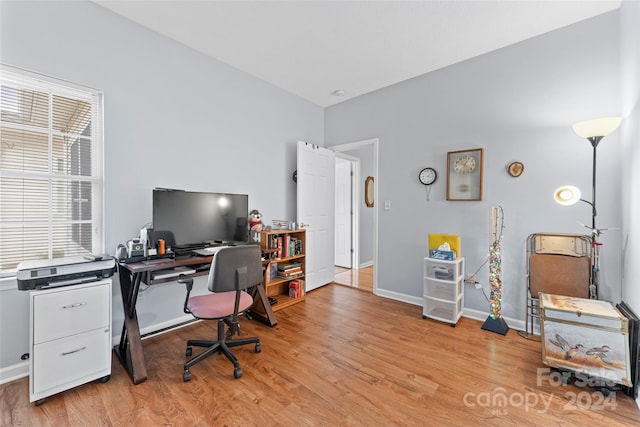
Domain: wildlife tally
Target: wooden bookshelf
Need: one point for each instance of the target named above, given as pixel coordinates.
(284, 261)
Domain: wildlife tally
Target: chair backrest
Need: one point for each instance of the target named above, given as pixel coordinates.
(559, 264)
(235, 267)
(559, 275)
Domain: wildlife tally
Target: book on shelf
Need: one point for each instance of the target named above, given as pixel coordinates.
(280, 243)
(285, 244)
(273, 270)
(290, 275)
(296, 288)
(295, 246)
(290, 270)
(289, 265)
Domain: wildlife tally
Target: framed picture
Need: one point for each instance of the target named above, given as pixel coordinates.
(368, 191)
(464, 175)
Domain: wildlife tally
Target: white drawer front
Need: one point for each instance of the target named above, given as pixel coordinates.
(442, 310)
(63, 361)
(446, 291)
(443, 270)
(70, 311)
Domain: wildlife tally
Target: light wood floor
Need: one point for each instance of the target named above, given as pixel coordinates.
(356, 278)
(342, 357)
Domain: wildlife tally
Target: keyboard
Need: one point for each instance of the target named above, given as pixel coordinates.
(212, 250)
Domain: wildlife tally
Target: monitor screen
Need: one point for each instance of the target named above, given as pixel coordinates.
(197, 218)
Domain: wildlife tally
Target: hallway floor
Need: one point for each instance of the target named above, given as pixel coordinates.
(361, 278)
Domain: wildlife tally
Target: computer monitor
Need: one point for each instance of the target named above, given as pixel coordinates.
(200, 219)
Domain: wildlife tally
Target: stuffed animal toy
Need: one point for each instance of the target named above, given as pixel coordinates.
(255, 224)
(255, 220)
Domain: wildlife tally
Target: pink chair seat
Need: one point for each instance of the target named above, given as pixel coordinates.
(216, 306)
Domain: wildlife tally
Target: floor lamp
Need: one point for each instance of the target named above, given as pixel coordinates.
(593, 130)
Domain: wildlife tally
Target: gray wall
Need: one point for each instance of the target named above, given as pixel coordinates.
(173, 118)
(630, 147)
(517, 103)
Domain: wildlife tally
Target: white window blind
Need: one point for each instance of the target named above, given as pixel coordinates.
(51, 174)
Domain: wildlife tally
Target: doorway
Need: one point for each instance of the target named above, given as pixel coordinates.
(361, 160)
(347, 171)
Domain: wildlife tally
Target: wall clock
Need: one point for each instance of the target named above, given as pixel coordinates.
(515, 169)
(464, 175)
(428, 176)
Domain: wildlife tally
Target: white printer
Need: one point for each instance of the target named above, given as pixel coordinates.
(63, 271)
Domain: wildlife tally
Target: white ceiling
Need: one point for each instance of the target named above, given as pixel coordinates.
(312, 48)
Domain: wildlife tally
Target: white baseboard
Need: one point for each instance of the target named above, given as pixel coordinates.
(399, 297)
(14, 372)
(166, 326)
(161, 328)
(470, 313)
(518, 325)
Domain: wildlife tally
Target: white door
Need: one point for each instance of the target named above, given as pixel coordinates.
(316, 177)
(343, 213)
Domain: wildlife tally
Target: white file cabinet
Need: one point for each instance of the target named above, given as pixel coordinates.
(69, 337)
(443, 290)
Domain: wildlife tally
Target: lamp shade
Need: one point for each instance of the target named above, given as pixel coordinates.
(597, 127)
(567, 195)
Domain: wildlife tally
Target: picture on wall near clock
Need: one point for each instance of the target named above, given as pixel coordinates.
(515, 169)
(464, 175)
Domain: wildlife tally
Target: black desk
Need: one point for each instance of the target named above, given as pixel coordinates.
(129, 351)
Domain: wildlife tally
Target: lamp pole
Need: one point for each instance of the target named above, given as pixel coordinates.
(593, 130)
(595, 245)
(594, 140)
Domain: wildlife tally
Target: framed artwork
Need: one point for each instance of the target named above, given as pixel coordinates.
(515, 169)
(464, 175)
(368, 191)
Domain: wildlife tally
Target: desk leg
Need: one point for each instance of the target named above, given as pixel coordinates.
(268, 317)
(129, 351)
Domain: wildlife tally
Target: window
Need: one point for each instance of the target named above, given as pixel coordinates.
(51, 174)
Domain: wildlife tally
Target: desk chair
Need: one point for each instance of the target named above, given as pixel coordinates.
(233, 270)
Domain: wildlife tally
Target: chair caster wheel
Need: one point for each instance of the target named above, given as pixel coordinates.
(186, 376)
(237, 373)
(188, 352)
(258, 348)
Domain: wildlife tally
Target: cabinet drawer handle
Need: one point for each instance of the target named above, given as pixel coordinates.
(66, 353)
(77, 304)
